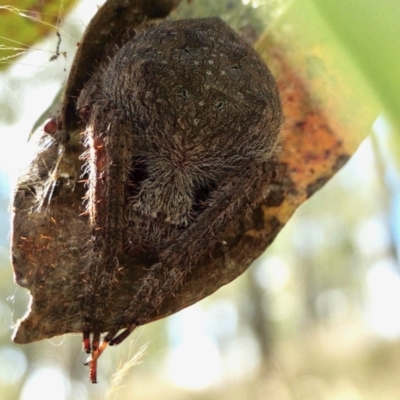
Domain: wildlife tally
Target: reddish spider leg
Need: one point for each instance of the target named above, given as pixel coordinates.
(106, 137)
(176, 262)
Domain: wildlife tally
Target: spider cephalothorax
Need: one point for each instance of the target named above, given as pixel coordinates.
(180, 125)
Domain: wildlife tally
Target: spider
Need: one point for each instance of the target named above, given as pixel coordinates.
(181, 123)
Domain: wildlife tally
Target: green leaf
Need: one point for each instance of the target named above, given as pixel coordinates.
(370, 31)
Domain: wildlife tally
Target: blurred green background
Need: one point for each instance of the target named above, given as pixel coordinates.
(317, 317)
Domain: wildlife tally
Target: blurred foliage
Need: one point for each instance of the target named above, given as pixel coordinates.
(26, 22)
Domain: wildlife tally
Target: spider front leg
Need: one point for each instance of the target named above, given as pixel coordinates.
(228, 204)
(108, 164)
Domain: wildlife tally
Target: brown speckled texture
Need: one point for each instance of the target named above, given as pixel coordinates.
(49, 263)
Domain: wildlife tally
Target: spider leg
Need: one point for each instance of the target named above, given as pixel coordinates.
(95, 354)
(87, 345)
(114, 340)
(94, 357)
(227, 205)
(108, 159)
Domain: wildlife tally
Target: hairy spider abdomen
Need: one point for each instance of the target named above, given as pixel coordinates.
(180, 124)
(201, 104)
